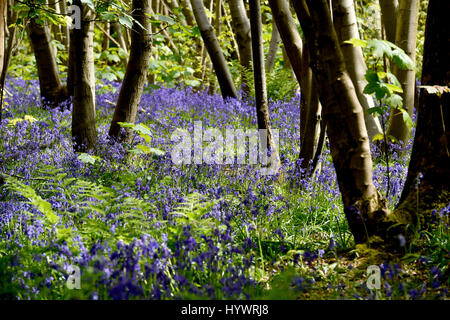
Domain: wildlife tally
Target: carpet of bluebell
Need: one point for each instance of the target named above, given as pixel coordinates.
(139, 227)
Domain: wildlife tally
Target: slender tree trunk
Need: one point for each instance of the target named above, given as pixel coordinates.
(215, 53)
(2, 49)
(406, 36)
(242, 33)
(310, 109)
(118, 29)
(56, 29)
(64, 28)
(273, 48)
(347, 28)
(136, 74)
(12, 31)
(52, 89)
(84, 132)
(187, 12)
(218, 17)
(430, 155)
(292, 42)
(389, 18)
(344, 117)
(262, 105)
(105, 42)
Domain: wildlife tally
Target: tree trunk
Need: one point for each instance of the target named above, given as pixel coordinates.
(84, 132)
(187, 12)
(241, 26)
(298, 57)
(406, 36)
(344, 117)
(118, 29)
(262, 105)
(2, 48)
(136, 74)
(52, 89)
(273, 48)
(64, 28)
(105, 41)
(218, 17)
(346, 29)
(389, 18)
(289, 34)
(212, 45)
(430, 155)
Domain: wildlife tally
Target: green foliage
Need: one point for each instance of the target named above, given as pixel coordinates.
(384, 84)
(145, 133)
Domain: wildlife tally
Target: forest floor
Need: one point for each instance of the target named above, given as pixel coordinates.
(137, 226)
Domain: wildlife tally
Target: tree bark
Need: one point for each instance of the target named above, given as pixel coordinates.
(430, 154)
(187, 12)
(346, 28)
(84, 133)
(2, 49)
(273, 48)
(118, 29)
(262, 105)
(408, 14)
(212, 45)
(51, 87)
(289, 34)
(136, 74)
(389, 18)
(242, 33)
(64, 28)
(344, 117)
(310, 109)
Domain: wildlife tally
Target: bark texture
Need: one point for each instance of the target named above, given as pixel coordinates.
(215, 53)
(310, 108)
(2, 51)
(406, 36)
(273, 48)
(262, 106)
(344, 117)
(136, 74)
(389, 18)
(430, 155)
(241, 26)
(346, 28)
(84, 133)
(51, 87)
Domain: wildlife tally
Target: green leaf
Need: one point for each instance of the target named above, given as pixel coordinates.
(380, 48)
(166, 19)
(126, 21)
(373, 110)
(395, 101)
(382, 91)
(403, 61)
(142, 129)
(407, 118)
(377, 137)
(126, 124)
(86, 158)
(89, 3)
(357, 42)
(157, 152)
(372, 77)
(393, 88)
